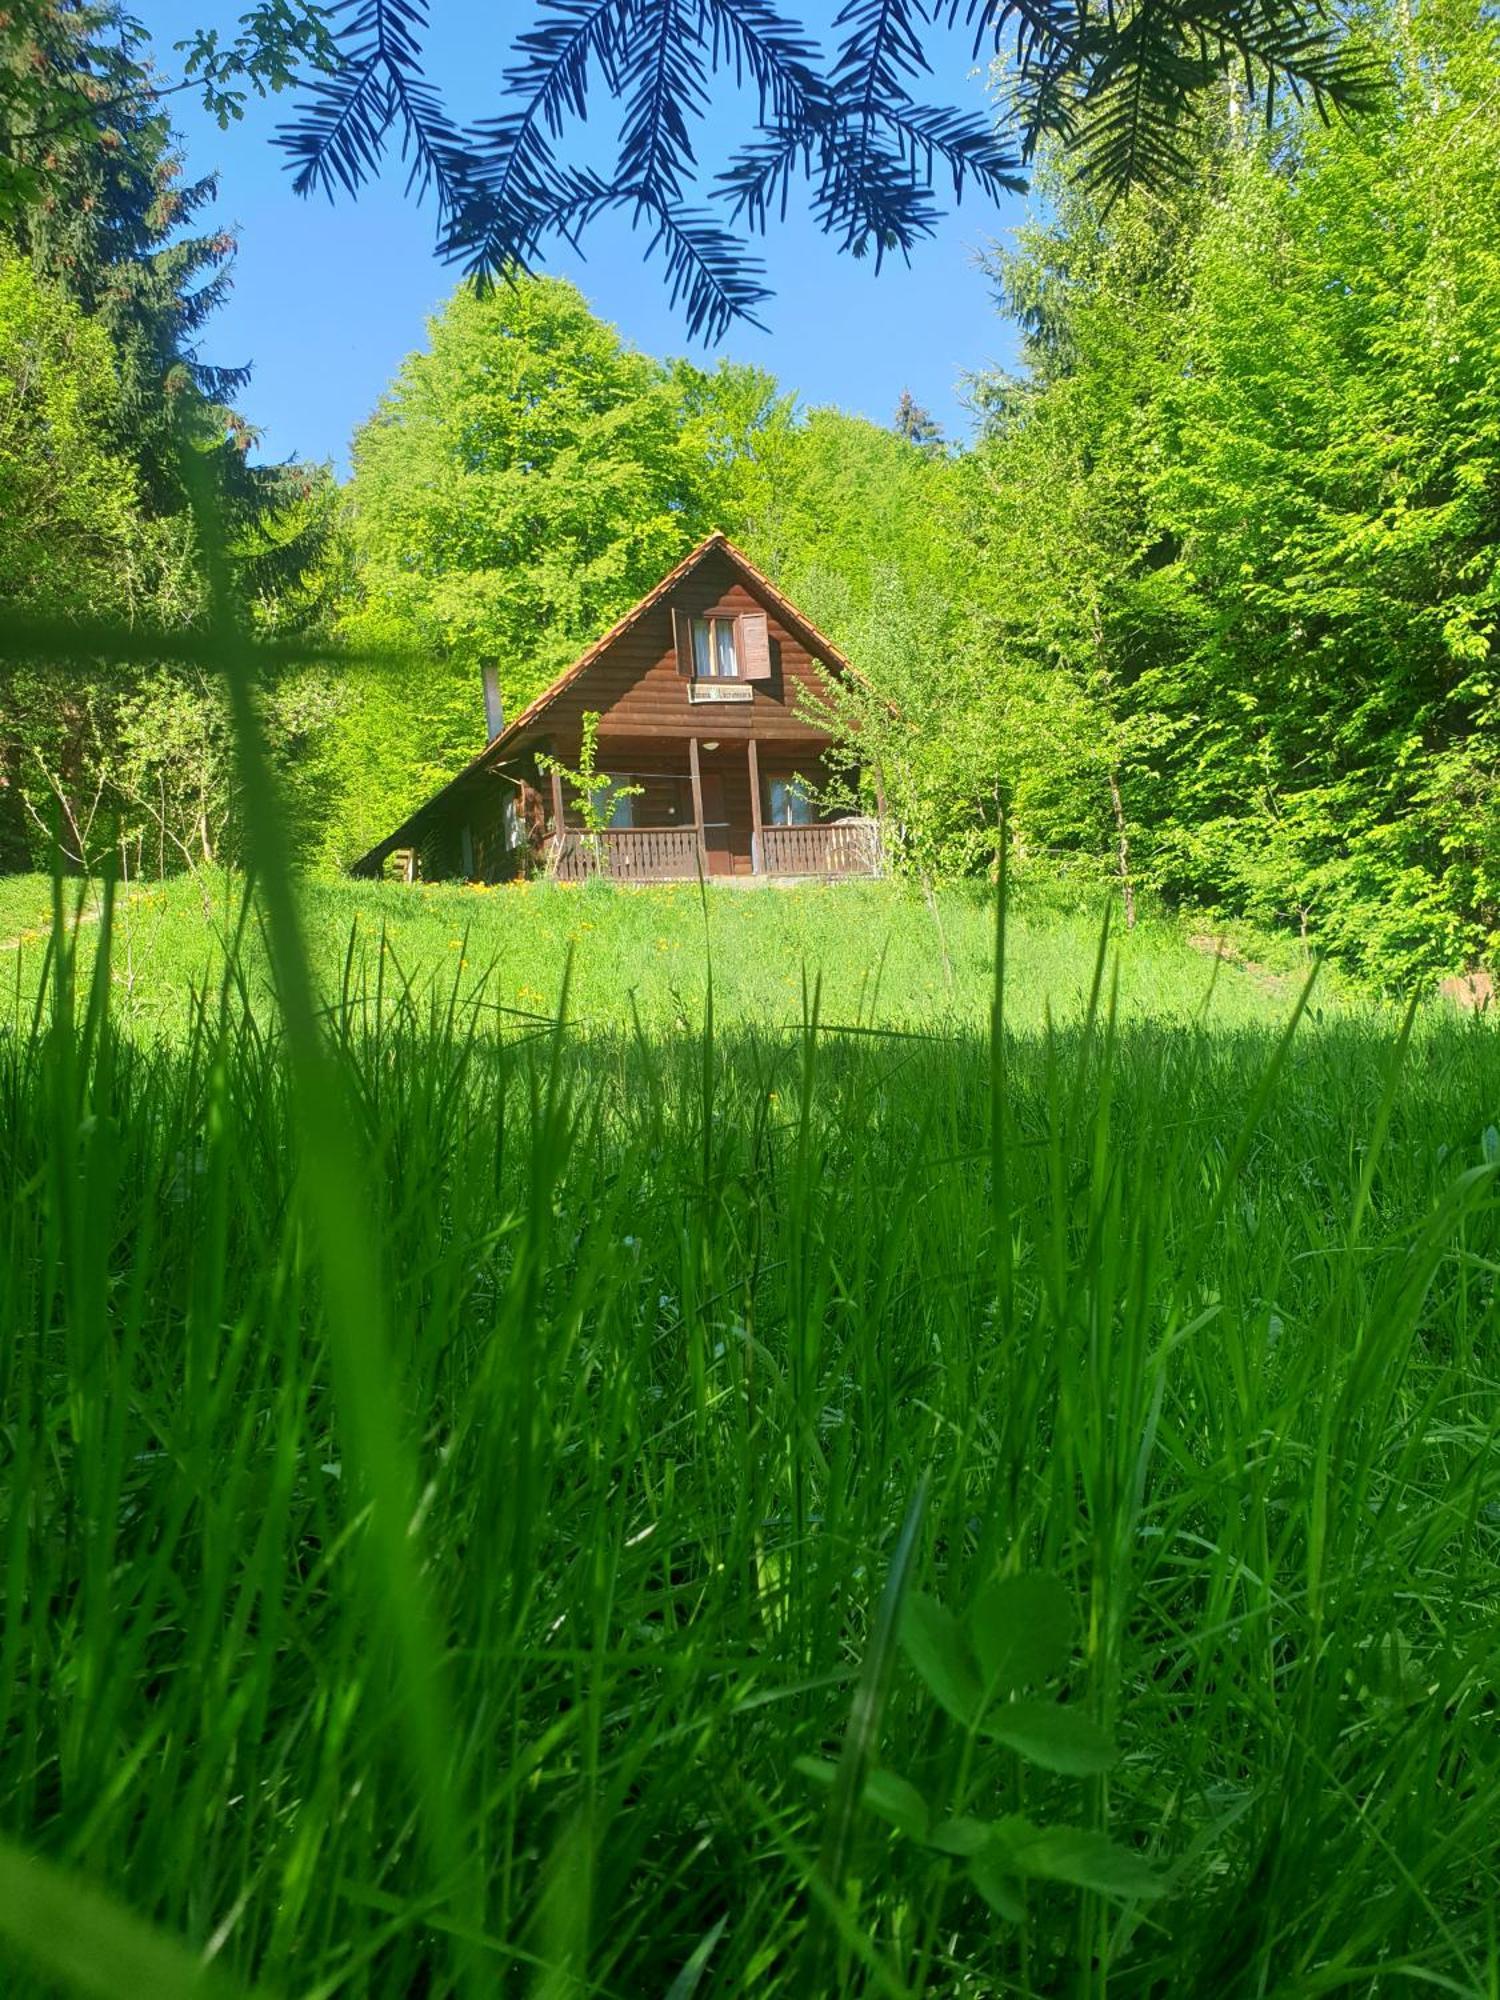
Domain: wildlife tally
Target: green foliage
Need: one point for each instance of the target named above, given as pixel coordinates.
(114, 226)
(846, 499)
(927, 723)
(866, 529)
(103, 754)
(1238, 524)
(105, 286)
(279, 43)
(743, 430)
(71, 530)
(1334, 493)
(521, 483)
(916, 425)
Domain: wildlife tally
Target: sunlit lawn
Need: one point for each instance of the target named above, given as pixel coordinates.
(876, 952)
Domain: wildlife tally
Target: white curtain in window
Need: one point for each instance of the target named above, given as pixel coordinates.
(713, 649)
(702, 656)
(724, 660)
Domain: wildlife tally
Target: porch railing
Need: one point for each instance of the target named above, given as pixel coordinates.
(626, 854)
(672, 853)
(840, 847)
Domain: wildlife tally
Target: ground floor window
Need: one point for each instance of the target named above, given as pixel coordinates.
(621, 811)
(791, 803)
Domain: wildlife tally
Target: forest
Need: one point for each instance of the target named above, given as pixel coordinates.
(1206, 604)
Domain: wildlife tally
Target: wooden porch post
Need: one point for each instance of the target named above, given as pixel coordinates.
(697, 802)
(557, 821)
(754, 808)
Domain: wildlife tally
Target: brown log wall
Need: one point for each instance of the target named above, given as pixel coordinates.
(636, 690)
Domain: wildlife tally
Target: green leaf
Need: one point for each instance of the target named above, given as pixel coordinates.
(1022, 1629)
(885, 1794)
(818, 1769)
(995, 1879)
(87, 1940)
(1057, 1738)
(861, 1736)
(962, 1836)
(1075, 1855)
(933, 1641)
(685, 1985)
(893, 1798)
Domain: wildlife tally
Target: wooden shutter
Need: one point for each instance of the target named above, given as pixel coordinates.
(682, 634)
(753, 644)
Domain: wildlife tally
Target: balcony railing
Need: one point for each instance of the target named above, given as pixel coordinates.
(840, 847)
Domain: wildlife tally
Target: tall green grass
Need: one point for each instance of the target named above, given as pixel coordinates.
(702, 1361)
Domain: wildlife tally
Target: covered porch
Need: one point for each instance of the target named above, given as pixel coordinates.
(735, 809)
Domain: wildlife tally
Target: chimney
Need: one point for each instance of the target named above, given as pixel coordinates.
(494, 712)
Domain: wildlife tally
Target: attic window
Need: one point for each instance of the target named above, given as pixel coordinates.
(715, 647)
(714, 655)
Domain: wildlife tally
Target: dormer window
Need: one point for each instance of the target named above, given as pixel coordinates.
(714, 655)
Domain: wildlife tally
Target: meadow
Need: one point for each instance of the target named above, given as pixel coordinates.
(843, 1485)
(880, 953)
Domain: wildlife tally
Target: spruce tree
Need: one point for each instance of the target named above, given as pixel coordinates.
(916, 425)
(118, 224)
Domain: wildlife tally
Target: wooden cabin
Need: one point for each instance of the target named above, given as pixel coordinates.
(703, 692)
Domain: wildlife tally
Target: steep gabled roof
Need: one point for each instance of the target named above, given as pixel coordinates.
(511, 736)
(716, 543)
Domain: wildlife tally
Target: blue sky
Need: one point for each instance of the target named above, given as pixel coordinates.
(329, 299)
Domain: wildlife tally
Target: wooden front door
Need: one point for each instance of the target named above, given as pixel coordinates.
(716, 825)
